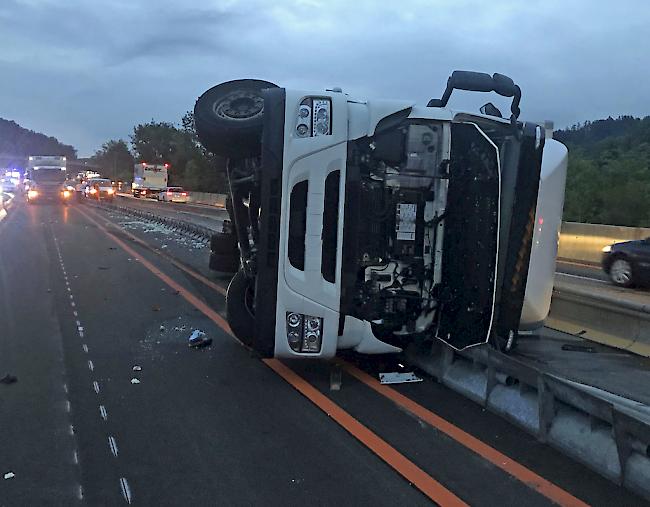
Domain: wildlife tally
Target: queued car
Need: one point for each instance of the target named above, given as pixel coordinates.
(173, 194)
(628, 263)
(100, 189)
(7, 185)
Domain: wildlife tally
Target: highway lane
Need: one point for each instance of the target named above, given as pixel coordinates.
(210, 426)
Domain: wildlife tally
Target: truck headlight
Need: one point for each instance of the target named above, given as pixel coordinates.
(321, 113)
(607, 249)
(314, 117)
(304, 332)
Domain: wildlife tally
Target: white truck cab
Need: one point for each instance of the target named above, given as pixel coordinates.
(371, 225)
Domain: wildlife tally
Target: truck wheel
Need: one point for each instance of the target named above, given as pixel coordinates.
(228, 118)
(224, 262)
(239, 307)
(223, 243)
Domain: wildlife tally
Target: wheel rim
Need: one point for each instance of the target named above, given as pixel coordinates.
(240, 105)
(621, 271)
(249, 300)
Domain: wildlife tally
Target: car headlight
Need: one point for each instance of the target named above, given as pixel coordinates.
(66, 193)
(304, 332)
(31, 194)
(93, 190)
(110, 191)
(607, 249)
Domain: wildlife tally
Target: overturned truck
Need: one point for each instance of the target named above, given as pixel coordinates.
(371, 225)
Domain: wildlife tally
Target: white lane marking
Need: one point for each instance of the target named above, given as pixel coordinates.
(71, 429)
(67, 405)
(113, 445)
(74, 312)
(85, 347)
(91, 366)
(126, 490)
(582, 277)
(69, 289)
(78, 323)
(75, 457)
(71, 298)
(102, 412)
(72, 304)
(80, 492)
(65, 388)
(81, 334)
(80, 329)
(96, 386)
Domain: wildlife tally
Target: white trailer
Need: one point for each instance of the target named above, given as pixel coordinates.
(149, 179)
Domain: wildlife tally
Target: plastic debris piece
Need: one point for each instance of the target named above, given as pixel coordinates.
(9, 475)
(199, 344)
(137, 368)
(8, 379)
(578, 348)
(155, 308)
(135, 381)
(395, 377)
(196, 335)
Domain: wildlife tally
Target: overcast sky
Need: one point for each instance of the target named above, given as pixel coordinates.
(86, 71)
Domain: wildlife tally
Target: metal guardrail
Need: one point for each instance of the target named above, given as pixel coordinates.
(587, 424)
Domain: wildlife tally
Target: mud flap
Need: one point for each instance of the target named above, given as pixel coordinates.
(471, 233)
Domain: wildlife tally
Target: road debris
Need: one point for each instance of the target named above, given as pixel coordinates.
(395, 377)
(9, 475)
(198, 340)
(103, 268)
(8, 379)
(578, 348)
(135, 381)
(137, 368)
(155, 308)
(162, 328)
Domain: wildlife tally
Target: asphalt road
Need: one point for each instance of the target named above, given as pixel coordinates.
(86, 295)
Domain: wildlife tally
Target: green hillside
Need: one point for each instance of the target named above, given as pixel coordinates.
(608, 180)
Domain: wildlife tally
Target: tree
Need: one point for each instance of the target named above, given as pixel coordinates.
(115, 159)
(17, 143)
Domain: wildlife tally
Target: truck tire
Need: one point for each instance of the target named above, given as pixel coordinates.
(228, 118)
(239, 307)
(223, 243)
(224, 262)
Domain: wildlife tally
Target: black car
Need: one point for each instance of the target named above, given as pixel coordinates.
(628, 263)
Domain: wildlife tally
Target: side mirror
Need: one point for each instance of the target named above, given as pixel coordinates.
(491, 110)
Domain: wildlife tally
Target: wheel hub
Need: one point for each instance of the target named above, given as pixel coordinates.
(240, 105)
(621, 271)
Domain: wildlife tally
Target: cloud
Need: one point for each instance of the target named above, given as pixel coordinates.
(88, 71)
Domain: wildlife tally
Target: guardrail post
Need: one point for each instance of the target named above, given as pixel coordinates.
(546, 408)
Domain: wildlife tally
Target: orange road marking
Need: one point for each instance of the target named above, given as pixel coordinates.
(402, 465)
(406, 468)
(505, 463)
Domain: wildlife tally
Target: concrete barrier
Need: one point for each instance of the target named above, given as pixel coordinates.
(584, 242)
(601, 318)
(208, 198)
